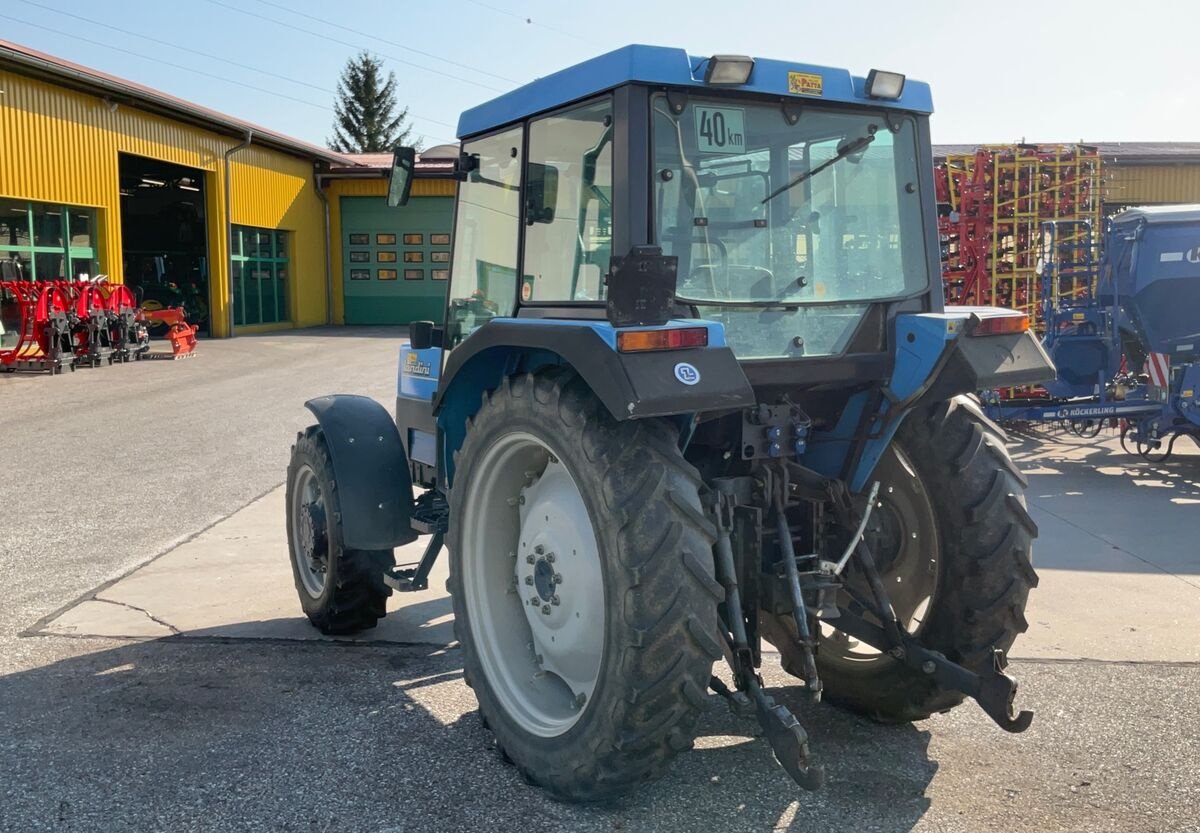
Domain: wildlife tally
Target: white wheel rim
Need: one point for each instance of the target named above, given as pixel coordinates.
(307, 538)
(532, 583)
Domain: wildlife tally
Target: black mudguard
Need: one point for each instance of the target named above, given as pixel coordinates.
(631, 385)
(975, 363)
(374, 484)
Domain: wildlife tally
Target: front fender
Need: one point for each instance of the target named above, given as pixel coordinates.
(374, 484)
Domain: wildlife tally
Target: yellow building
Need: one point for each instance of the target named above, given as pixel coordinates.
(1134, 173)
(250, 229)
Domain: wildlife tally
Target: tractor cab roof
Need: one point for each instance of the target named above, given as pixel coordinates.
(659, 65)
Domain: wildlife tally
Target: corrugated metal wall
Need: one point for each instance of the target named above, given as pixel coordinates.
(1151, 184)
(62, 146)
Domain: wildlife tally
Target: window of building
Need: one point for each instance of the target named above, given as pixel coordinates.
(41, 241)
(568, 184)
(484, 283)
(259, 264)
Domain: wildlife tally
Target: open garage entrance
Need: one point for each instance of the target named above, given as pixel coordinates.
(163, 236)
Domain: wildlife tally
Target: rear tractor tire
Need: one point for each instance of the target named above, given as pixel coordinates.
(341, 590)
(953, 542)
(581, 573)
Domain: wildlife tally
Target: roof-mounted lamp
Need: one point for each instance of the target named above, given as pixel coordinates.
(728, 70)
(888, 85)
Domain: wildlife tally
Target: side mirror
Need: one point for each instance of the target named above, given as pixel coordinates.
(420, 335)
(400, 181)
(541, 193)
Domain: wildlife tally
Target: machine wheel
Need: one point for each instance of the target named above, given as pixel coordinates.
(953, 541)
(1155, 449)
(581, 572)
(1086, 428)
(341, 590)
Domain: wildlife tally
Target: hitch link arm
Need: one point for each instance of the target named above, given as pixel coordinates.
(992, 689)
(812, 679)
(787, 737)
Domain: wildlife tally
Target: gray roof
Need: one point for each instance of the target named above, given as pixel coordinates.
(1120, 153)
(1160, 214)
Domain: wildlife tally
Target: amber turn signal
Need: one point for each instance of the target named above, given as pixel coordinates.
(999, 325)
(639, 341)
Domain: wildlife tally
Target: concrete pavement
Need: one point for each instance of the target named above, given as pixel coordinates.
(239, 718)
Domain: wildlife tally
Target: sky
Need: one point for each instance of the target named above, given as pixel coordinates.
(1050, 71)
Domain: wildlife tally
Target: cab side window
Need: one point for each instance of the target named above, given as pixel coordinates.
(483, 282)
(568, 205)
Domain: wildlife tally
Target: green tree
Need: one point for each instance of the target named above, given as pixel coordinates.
(366, 116)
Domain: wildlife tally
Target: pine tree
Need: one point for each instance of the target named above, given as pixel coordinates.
(367, 119)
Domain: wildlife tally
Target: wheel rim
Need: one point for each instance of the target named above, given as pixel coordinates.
(310, 537)
(902, 535)
(532, 583)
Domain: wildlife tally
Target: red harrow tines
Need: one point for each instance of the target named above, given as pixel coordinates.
(67, 323)
(991, 206)
(88, 319)
(128, 336)
(43, 341)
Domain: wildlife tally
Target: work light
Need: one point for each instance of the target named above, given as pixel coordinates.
(728, 69)
(882, 84)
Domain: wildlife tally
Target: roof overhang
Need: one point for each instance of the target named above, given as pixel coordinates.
(45, 67)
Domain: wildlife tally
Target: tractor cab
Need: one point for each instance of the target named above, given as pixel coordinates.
(694, 389)
(793, 200)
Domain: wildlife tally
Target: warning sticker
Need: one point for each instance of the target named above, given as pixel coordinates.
(805, 83)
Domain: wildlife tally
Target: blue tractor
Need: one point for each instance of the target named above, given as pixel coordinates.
(695, 389)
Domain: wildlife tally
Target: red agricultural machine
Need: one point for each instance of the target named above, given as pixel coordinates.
(51, 325)
(991, 208)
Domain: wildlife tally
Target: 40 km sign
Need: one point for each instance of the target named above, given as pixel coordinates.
(720, 130)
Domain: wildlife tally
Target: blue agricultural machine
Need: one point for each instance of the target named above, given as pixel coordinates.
(1122, 318)
(695, 389)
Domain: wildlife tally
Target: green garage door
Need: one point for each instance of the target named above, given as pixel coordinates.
(395, 261)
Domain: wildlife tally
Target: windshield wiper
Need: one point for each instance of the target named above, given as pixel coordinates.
(847, 149)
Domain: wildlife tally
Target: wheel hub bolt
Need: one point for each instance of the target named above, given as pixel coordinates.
(554, 601)
(539, 549)
(529, 580)
(529, 559)
(558, 578)
(546, 609)
(550, 557)
(928, 667)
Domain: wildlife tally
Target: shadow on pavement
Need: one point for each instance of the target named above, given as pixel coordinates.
(1102, 508)
(179, 734)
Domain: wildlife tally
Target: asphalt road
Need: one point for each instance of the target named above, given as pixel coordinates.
(101, 470)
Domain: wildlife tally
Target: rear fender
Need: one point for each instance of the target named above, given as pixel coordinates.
(935, 360)
(630, 385)
(371, 471)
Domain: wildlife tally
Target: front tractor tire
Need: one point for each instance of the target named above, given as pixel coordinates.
(953, 542)
(581, 573)
(341, 590)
